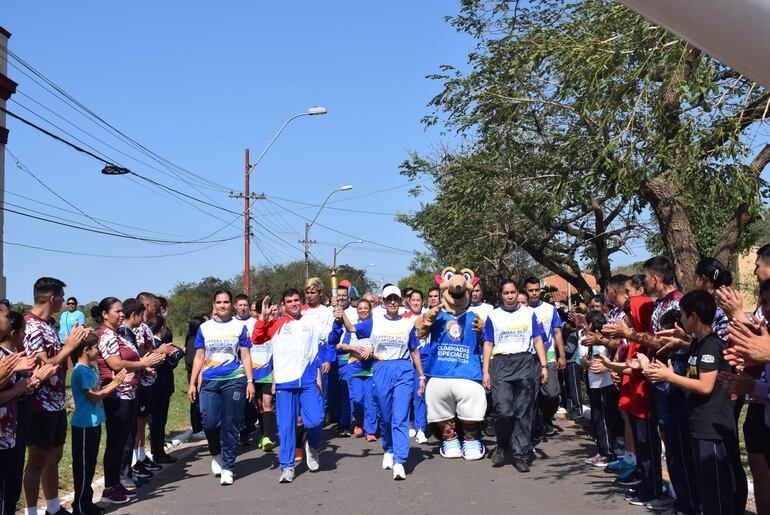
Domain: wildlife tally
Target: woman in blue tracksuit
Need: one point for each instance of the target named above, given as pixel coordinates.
(358, 376)
(394, 341)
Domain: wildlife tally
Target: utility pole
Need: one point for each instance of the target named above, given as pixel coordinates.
(246, 196)
(7, 88)
(306, 243)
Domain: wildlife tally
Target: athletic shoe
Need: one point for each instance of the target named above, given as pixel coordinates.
(601, 461)
(520, 465)
(343, 431)
(164, 459)
(531, 457)
(298, 455)
(629, 480)
(473, 450)
(619, 466)
(550, 430)
(216, 469)
(266, 444)
(200, 435)
(61, 511)
(387, 460)
(358, 429)
(498, 456)
(399, 472)
(420, 437)
(371, 438)
(227, 478)
(150, 465)
(114, 496)
(127, 486)
(635, 500)
(311, 456)
(592, 459)
(661, 504)
(562, 410)
(287, 475)
(489, 427)
(412, 433)
(451, 449)
(626, 474)
(243, 440)
(138, 470)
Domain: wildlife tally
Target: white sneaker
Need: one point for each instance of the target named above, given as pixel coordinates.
(399, 472)
(311, 457)
(387, 460)
(412, 433)
(287, 475)
(227, 478)
(420, 437)
(561, 411)
(216, 469)
(127, 482)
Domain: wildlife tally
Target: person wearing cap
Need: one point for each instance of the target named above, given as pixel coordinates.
(394, 341)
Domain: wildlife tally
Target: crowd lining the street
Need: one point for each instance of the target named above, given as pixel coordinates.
(667, 375)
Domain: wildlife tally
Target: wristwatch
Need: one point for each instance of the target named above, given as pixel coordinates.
(544, 366)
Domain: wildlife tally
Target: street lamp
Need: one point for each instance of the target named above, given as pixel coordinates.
(306, 242)
(313, 111)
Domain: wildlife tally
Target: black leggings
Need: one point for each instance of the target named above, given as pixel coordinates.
(196, 421)
(121, 429)
(158, 419)
(604, 409)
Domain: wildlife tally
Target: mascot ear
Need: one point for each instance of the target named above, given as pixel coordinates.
(475, 281)
(439, 279)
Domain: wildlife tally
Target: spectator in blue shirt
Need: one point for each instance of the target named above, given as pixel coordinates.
(70, 317)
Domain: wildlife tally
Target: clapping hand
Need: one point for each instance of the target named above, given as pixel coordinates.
(738, 384)
(751, 344)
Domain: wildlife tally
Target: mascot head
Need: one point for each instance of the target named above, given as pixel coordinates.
(456, 288)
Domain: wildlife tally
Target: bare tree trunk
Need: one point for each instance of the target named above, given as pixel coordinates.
(675, 228)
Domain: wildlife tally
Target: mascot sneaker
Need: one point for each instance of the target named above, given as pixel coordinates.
(473, 450)
(451, 449)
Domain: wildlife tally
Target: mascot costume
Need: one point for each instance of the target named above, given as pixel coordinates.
(453, 365)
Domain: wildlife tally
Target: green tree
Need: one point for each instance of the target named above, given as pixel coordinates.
(570, 106)
(192, 299)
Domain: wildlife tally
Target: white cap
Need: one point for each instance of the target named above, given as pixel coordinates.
(391, 290)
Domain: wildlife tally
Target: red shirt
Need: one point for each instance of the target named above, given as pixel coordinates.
(635, 393)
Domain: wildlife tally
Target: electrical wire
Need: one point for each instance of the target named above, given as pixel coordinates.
(334, 208)
(335, 230)
(74, 253)
(116, 235)
(83, 110)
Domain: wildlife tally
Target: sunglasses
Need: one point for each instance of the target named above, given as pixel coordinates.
(71, 304)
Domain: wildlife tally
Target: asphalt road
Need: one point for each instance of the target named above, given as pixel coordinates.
(351, 481)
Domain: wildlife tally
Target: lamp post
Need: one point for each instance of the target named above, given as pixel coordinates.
(247, 196)
(306, 242)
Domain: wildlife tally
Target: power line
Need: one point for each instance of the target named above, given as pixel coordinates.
(335, 230)
(116, 235)
(116, 149)
(71, 252)
(106, 162)
(30, 199)
(334, 208)
(83, 110)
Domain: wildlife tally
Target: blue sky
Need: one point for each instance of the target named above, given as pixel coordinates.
(197, 83)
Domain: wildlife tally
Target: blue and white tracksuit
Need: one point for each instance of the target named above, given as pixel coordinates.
(392, 339)
(295, 367)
